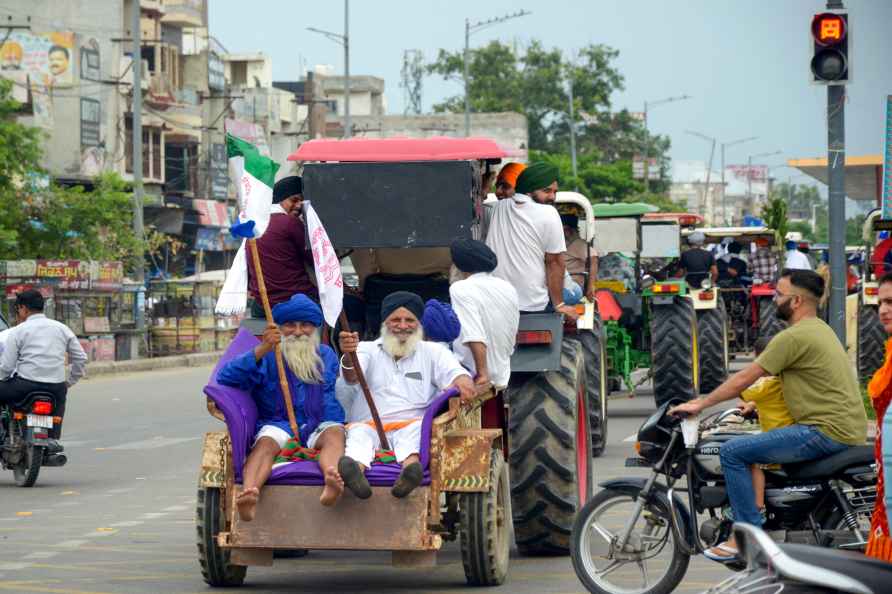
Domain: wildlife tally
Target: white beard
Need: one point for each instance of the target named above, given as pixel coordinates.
(301, 353)
(397, 349)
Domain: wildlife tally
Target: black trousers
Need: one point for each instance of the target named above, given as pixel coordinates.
(16, 389)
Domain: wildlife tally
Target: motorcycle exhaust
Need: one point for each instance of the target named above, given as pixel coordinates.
(55, 460)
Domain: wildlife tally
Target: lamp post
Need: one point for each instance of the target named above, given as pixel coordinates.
(749, 175)
(343, 40)
(711, 140)
(648, 104)
(471, 28)
(723, 146)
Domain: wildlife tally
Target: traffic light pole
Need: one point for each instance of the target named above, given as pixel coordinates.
(836, 176)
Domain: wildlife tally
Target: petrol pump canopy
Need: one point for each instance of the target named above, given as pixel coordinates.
(389, 150)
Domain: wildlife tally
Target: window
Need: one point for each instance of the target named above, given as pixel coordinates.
(151, 151)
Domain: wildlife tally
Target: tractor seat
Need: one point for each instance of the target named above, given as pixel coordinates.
(828, 467)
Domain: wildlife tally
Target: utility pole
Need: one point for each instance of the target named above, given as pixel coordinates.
(724, 201)
(572, 124)
(139, 272)
(647, 135)
(348, 123)
(473, 28)
(836, 178)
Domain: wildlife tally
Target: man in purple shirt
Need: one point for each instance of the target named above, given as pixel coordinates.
(284, 254)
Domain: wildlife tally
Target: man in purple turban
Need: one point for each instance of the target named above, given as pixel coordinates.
(311, 370)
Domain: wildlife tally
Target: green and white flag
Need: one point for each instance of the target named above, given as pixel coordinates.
(254, 176)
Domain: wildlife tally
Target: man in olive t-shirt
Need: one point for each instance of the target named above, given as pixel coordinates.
(820, 390)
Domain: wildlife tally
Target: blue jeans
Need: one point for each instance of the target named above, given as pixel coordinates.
(796, 443)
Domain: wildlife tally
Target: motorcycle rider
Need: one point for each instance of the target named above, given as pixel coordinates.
(819, 388)
(34, 359)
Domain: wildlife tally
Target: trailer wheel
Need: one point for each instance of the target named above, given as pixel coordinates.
(484, 526)
(871, 340)
(550, 454)
(675, 360)
(712, 334)
(216, 567)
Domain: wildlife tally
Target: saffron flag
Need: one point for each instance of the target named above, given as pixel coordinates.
(254, 176)
(327, 265)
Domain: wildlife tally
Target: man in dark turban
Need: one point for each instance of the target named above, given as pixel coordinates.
(539, 181)
(404, 374)
(488, 311)
(440, 322)
(311, 370)
(284, 256)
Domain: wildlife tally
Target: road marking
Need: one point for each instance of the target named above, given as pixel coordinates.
(175, 508)
(69, 493)
(151, 444)
(125, 490)
(71, 544)
(127, 524)
(14, 566)
(41, 555)
(154, 515)
(24, 514)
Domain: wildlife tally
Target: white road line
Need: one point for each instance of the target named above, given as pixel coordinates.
(41, 555)
(71, 544)
(97, 534)
(175, 508)
(127, 523)
(14, 566)
(126, 490)
(154, 443)
(154, 515)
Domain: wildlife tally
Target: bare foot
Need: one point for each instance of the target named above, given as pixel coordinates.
(246, 502)
(334, 486)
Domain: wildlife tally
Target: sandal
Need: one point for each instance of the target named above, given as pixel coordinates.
(725, 555)
(354, 477)
(410, 477)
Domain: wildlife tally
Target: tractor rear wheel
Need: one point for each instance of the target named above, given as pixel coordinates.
(712, 334)
(550, 453)
(675, 356)
(596, 392)
(871, 340)
(769, 323)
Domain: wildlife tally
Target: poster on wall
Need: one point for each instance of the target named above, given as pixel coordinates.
(45, 57)
(219, 171)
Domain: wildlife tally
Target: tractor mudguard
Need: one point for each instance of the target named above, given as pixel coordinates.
(538, 356)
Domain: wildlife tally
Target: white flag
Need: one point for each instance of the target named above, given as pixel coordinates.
(328, 267)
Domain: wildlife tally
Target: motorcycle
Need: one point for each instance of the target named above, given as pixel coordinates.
(24, 437)
(798, 569)
(639, 530)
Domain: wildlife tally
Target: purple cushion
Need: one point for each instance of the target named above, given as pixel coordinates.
(240, 412)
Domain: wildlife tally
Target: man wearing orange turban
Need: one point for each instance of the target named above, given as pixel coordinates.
(507, 179)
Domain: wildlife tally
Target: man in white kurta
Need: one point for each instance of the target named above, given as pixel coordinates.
(404, 374)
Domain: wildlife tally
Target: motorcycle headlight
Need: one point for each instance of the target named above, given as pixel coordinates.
(706, 284)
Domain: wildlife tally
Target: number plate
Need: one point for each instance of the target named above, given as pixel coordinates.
(40, 421)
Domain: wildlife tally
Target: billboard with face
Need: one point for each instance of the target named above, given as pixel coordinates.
(45, 57)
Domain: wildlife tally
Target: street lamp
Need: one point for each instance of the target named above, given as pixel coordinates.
(708, 171)
(749, 175)
(473, 28)
(343, 40)
(648, 104)
(727, 144)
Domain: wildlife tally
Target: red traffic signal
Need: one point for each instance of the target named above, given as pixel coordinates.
(830, 55)
(828, 29)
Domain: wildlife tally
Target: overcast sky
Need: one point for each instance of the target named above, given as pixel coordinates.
(743, 62)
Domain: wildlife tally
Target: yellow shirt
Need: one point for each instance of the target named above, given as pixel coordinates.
(768, 394)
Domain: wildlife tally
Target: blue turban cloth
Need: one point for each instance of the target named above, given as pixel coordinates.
(440, 322)
(299, 308)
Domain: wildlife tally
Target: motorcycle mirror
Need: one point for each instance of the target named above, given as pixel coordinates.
(647, 281)
(706, 284)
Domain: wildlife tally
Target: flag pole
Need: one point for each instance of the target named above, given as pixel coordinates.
(280, 364)
(354, 360)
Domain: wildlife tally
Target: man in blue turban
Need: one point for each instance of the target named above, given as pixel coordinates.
(439, 322)
(311, 370)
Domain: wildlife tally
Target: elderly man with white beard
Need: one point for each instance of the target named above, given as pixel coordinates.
(404, 373)
(311, 370)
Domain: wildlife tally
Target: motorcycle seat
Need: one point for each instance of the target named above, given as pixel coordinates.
(873, 573)
(827, 467)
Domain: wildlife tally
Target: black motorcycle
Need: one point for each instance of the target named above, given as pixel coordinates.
(24, 437)
(798, 569)
(637, 535)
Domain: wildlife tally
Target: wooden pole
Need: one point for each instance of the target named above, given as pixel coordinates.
(354, 360)
(280, 364)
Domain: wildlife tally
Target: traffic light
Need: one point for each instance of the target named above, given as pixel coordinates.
(830, 56)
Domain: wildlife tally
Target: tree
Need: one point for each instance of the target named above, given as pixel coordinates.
(774, 213)
(534, 83)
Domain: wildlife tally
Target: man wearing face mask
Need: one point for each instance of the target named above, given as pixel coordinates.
(820, 390)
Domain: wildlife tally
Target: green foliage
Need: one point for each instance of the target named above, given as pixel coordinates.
(774, 213)
(534, 82)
